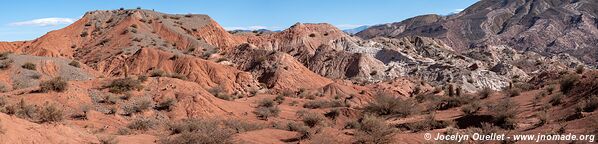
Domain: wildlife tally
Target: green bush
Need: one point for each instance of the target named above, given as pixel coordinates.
(56, 84)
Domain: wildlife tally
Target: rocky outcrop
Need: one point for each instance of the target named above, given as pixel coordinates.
(542, 26)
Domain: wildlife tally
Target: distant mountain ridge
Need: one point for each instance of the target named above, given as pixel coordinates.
(356, 30)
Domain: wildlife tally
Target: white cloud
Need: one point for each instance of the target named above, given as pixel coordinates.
(248, 28)
(44, 22)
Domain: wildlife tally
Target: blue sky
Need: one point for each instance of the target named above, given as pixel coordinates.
(29, 19)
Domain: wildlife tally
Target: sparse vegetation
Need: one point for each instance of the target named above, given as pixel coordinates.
(373, 129)
(513, 92)
(266, 108)
(166, 104)
(504, 113)
(138, 106)
(122, 85)
(142, 124)
(75, 64)
(196, 131)
(556, 99)
(316, 104)
(312, 119)
(108, 140)
(471, 109)
(56, 84)
(5, 64)
(568, 82)
(242, 126)
(485, 93)
(50, 113)
(429, 123)
(29, 66)
(386, 105)
(157, 73)
(580, 69)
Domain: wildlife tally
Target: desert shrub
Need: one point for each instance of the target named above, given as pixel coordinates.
(75, 64)
(21, 110)
(315, 104)
(166, 104)
(429, 123)
(50, 113)
(550, 89)
(123, 131)
(266, 103)
(451, 102)
(219, 92)
(108, 140)
(471, 109)
(567, 83)
(157, 73)
(177, 76)
(4, 55)
(5, 64)
(556, 99)
(110, 99)
(195, 131)
(579, 69)
(29, 66)
(352, 124)
(3, 88)
(242, 126)
(423, 97)
(589, 105)
(523, 86)
(302, 130)
(3, 102)
(137, 106)
(504, 113)
(312, 119)
(266, 112)
(56, 84)
(386, 105)
(513, 92)
(542, 119)
(142, 78)
(142, 124)
(332, 114)
(124, 85)
(279, 99)
(373, 129)
(485, 93)
(84, 34)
